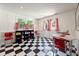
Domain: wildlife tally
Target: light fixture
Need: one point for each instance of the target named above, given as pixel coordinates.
(21, 7)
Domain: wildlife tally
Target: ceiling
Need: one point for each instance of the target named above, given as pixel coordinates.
(38, 10)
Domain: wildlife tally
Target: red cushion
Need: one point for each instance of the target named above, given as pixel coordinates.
(59, 43)
(8, 34)
(8, 38)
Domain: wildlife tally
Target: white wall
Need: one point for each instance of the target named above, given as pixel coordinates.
(67, 22)
(7, 21)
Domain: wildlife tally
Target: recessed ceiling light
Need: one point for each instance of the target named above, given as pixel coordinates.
(21, 7)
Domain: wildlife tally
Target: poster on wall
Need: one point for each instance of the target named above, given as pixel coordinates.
(51, 24)
(24, 24)
(21, 23)
(56, 24)
(16, 25)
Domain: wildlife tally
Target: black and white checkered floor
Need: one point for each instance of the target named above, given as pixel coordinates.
(41, 47)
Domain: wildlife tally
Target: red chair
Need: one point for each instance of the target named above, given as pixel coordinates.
(60, 43)
(8, 36)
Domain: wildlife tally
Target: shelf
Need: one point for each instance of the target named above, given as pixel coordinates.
(27, 35)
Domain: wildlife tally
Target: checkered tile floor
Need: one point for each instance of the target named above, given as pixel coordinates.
(36, 47)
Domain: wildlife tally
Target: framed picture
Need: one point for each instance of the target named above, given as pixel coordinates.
(24, 23)
(77, 18)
